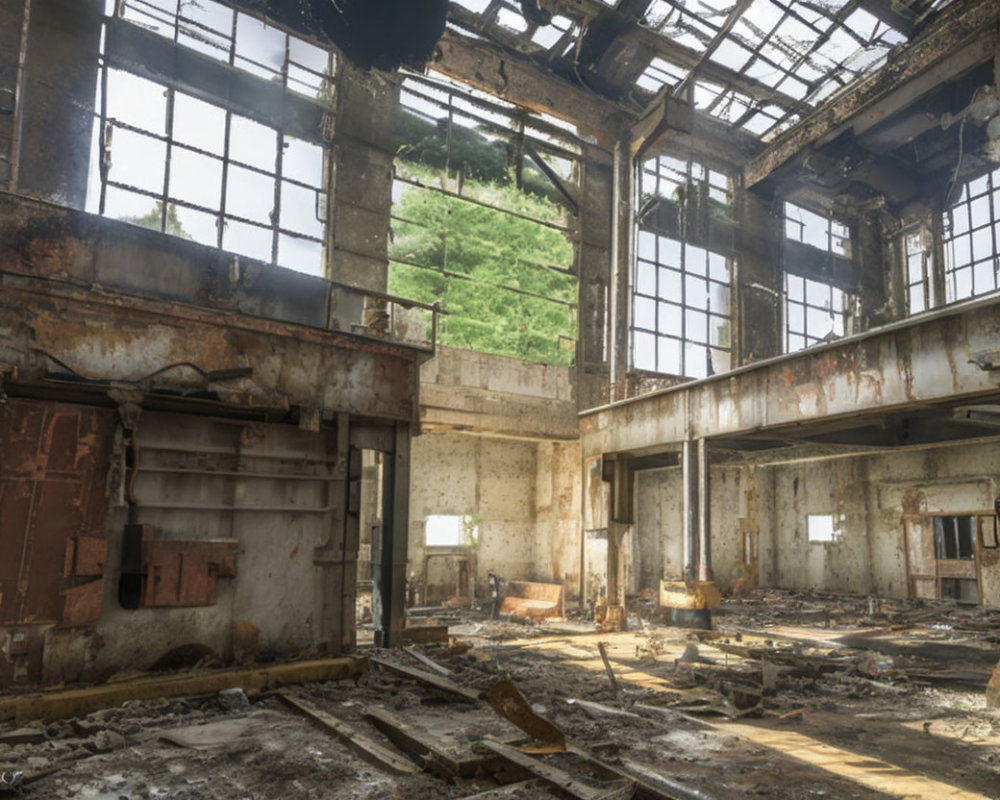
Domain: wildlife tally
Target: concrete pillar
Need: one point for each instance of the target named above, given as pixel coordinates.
(689, 470)
(704, 513)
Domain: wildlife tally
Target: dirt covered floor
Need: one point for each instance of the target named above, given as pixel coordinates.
(789, 696)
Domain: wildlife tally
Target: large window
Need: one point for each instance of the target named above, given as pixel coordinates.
(815, 308)
(235, 38)
(972, 239)
(179, 164)
(680, 308)
(918, 273)
(815, 230)
(680, 314)
(484, 221)
(814, 312)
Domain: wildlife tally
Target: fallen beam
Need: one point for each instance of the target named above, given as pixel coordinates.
(77, 702)
(422, 745)
(370, 750)
(427, 662)
(515, 790)
(553, 776)
(445, 685)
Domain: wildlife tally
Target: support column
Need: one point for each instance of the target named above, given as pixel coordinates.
(689, 468)
(389, 589)
(618, 526)
(704, 514)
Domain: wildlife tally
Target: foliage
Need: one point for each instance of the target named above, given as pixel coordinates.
(151, 220)
(486, 266)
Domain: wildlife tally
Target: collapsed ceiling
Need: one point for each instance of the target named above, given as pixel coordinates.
(757, 65)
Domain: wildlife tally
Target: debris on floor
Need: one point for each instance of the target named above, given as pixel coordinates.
(806, 695)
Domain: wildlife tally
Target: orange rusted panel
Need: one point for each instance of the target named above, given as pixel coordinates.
(53, 477)
(85, 555)
(82, 604)
(184, 573)
(533, 600)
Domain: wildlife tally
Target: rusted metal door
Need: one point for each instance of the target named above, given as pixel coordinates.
(54, 461)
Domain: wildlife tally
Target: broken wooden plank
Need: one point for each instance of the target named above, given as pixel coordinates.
(648, 785)
(421, 744)
(510, 790)
(367, 748)
(602, 648)
(424, 634)
(79, 702)
(427, 662)
(553, 776)
(437, 681)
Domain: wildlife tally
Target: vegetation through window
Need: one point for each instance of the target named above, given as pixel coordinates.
(484, 221)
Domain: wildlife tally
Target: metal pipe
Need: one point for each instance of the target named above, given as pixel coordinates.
(704, 513)
(689, 464)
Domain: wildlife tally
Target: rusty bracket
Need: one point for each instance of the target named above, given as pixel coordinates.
(510, 704)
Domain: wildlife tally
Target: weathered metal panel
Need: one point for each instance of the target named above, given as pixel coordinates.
(906, 365)
(181, 573)
(52, 488)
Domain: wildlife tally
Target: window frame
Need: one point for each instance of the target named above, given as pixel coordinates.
(312, 232)
(953, 234)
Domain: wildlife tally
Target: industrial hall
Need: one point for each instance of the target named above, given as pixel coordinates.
(499, 399)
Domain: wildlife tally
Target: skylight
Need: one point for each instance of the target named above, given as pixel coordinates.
(759, 66)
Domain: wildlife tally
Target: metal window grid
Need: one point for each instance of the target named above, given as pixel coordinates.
(972, 239)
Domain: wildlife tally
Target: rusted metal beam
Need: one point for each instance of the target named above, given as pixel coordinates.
(490, 68)
(916, 363)
(961, 38)
(77, 702)
(108, 339)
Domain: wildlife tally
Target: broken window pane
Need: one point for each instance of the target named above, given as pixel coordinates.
(488, 234)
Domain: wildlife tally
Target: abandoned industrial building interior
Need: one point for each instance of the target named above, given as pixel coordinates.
(500, 399)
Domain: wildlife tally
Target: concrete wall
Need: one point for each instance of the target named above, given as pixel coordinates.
(870, 494)
(499, 445)
(524, 496)
(656, 539)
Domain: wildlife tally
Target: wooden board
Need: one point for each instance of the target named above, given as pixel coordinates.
(437, 681)
(367, 748)
(418, 742)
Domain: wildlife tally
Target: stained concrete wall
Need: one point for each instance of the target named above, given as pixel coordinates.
(499, 445)
(657, 541)
(524, 496)
(870, 495)
(186, 489)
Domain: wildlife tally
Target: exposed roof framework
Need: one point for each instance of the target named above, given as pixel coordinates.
(755, 65)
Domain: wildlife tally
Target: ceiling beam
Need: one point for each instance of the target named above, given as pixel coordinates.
(584, 11)
(963, 37)
(892, 13)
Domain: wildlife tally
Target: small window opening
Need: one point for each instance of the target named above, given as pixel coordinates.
(450, 530)
(823, 528)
